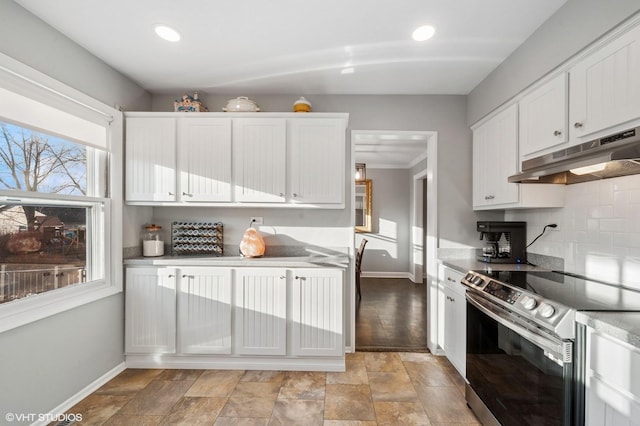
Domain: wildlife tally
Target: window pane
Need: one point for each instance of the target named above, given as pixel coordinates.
(38, 162)
(42, 248)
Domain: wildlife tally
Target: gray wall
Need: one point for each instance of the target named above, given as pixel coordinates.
(44, 363)
(574, 26)
(388, 244)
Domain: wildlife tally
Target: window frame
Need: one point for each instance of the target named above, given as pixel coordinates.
(26, 81)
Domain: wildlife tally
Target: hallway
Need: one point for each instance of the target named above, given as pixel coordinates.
(391, 316)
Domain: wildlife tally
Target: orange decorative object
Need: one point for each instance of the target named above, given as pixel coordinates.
(252, 244)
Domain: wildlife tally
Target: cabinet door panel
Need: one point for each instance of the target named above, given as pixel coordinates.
(605, 87)
(495, 159)
(259, 152)
(204, 159)
(260, 311)
(204, 311)
(543, 118)
(150, 310)
(150, 159)
(316, 160)
(317, 312)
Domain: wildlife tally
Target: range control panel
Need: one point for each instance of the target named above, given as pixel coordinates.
(502, 292)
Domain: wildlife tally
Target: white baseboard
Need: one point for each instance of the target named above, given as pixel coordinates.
(377, 274)
(335, 364)
(85, 392)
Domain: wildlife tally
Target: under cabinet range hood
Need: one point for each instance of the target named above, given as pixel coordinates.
(607, 157)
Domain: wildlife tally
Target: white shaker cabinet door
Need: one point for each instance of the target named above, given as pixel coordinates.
(204, 310)
(150, 159)
(204, 159)
(542, 118)
(150, 310)
(316, 161)
(495, 159)
(605, 87)
(317, 312)
(260, 311)
(259, 157)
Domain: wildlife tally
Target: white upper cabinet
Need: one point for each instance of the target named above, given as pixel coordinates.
(495, 159)
(150, 159)
(242, 159)
(204, 159)
(316, 161)
(605, 87)
(543, 119)
(259, 152)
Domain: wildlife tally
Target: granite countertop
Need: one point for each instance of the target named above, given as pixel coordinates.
(465, 265)
(308, 261)
(623, 326)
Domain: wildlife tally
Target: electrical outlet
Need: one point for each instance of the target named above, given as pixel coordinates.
(257, 220)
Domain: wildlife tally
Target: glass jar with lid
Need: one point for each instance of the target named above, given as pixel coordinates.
(152, 241)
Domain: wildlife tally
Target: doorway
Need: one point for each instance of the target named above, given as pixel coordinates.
(393, 312)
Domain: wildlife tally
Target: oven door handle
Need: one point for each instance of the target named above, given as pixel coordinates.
(560, 350)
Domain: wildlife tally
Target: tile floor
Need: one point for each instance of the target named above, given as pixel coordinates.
(378, 388)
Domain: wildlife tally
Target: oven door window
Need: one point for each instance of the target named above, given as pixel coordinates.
(514, 378)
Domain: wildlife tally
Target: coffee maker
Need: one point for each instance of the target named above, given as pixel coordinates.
(505, 242)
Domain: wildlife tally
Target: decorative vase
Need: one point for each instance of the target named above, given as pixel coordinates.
(252, 244)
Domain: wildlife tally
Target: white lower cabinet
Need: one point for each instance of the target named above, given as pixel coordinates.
(150, 310)
(316, 301)
(454, 305)
(204, 310)
(261, 311)
(612, 389)
(284, 315)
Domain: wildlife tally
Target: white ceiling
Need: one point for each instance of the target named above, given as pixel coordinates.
(299, 47)
(389, 149)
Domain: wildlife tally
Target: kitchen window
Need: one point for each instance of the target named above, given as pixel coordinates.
(60, 156)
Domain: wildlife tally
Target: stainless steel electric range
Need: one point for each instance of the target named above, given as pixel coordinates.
(525, 353)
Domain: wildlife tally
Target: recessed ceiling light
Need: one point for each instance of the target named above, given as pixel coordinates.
(423, 33)
(167, 33)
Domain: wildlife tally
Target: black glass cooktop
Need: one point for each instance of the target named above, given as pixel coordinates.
(571, 290)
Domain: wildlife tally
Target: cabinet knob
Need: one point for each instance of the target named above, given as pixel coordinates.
(188, 195)
(295, 195)
(171, 193)
(282, 277)
(187, 276)
(282, 194)
(557, 133)
(170, 276)
(451, 279)
(489, 197)
(577, 125)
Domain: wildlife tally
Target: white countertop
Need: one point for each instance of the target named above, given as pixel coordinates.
(623, 326)
(311, 261)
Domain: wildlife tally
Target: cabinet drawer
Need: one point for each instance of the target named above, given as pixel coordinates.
(452, 279)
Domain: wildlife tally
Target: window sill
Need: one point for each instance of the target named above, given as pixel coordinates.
(24, 311)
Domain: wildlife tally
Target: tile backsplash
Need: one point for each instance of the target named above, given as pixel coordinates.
(598, 232)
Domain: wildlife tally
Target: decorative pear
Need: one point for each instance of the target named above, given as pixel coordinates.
(252, 244)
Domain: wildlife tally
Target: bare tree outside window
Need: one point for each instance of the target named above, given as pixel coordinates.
(36, 162)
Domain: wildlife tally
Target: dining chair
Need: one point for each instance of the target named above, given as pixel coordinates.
(359, 266)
